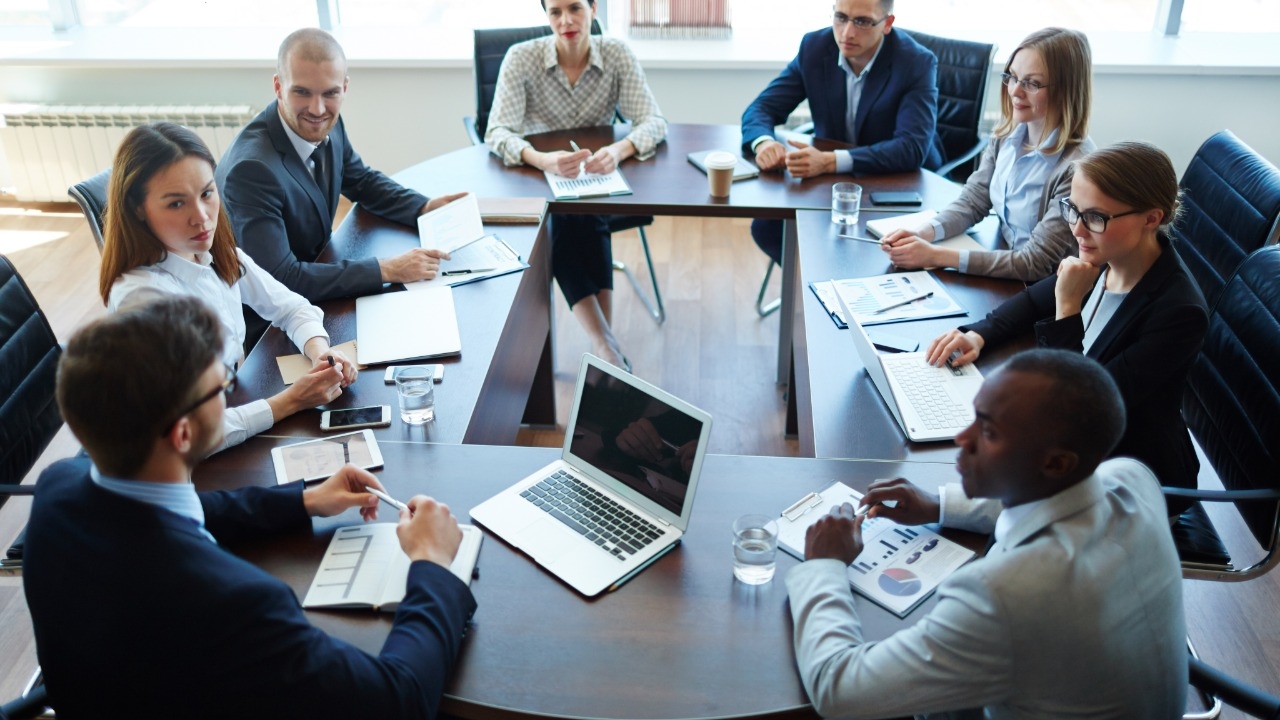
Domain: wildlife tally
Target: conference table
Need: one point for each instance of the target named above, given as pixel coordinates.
(682, 639)
(504, 376)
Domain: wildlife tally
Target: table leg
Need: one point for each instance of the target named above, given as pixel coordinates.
(787, 313)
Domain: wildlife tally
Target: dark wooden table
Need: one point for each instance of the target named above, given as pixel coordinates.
(838, 410)
(682, 639)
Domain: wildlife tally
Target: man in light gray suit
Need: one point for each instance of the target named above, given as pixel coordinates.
(1076, 610)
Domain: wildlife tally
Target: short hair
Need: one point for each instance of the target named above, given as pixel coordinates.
(123, 379)
(1083, 408)
(312, 45)
(1136, 174)
(1068, 61)
(590, 3)
(887, 6)
(127, 240)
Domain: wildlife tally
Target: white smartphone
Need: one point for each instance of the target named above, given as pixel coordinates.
(390, 376)
(360, 417)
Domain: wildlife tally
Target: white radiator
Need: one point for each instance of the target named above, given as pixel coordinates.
(49, 148)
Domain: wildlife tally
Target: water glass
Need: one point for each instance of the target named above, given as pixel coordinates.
(755, 548)
(846, 199)
(415, 388)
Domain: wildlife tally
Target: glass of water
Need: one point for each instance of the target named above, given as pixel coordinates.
(415, 388)
(755, 548)
(846, 199)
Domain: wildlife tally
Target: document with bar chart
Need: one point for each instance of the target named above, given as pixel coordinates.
(900, 565)
(587, 185)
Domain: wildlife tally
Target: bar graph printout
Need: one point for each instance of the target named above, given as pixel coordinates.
(900, 566)
(587, 185)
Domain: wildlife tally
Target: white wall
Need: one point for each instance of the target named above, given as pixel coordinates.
(400, 116)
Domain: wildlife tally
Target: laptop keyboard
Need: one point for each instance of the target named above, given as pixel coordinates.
(922, 384)
(613, 528)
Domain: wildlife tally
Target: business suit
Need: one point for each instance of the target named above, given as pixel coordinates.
(1148, 346)
(1076, 612)
(897, 113)
(138, 614)
(281, 217)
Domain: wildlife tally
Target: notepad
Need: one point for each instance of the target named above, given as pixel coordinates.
(406, 326)
(487, 257)
(452, 225)
(365, 567)
(913, 221)
(743, 170)
(293, 367)
(900, 565)
(587, 185)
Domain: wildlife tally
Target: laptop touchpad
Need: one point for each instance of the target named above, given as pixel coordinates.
(963, 391)
(546, 540)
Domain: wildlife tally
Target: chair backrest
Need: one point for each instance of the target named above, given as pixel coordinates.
(91, 196)
(491, 48)
(1232, 402)
(963, 70)
(29, 353)
(1230, 206)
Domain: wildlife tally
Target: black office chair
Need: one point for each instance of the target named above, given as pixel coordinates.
(31, 705)
(1218, 689)
(490, 48)
(91, 196)
(963, 69)
(1230, 208)
(1232, 405)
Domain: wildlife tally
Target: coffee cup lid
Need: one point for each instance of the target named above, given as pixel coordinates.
(720, 160)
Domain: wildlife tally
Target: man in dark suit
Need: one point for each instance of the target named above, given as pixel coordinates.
(868, 86)
(140, 611)
(281, 178)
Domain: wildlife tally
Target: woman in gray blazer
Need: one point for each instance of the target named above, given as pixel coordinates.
(1025, 170)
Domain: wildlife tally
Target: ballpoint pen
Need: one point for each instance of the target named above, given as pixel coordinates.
(467, 272)
(386, 498)
(859, 239)
(904, 302)
(574, 145)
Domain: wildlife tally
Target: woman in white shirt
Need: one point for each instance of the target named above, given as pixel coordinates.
(566, 80)
(166, 233)
(1025, 170)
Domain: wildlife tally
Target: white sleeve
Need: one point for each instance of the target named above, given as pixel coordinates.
(957, 510)
(279, 305)
(244, 421)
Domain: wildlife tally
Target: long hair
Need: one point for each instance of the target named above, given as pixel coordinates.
(1069, 63)
(127, 241)
(1136, 174)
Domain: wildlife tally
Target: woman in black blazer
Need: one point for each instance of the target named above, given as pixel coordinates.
(1127, 301)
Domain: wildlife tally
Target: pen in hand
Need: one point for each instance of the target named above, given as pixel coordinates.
(386, 498)
(575, 147)
(904, 302)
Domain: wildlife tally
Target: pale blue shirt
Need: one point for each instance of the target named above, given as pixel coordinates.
(1017, 184)
(304, 148)
(853, 83)
(178, 498)
(1098, 310)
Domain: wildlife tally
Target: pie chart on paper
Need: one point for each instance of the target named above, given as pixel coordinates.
(897, 581)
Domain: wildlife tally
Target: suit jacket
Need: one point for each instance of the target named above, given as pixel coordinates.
(137, 614)
(897, 115)
(1051, 238)
(283, 220)
(1148, 347)
(1077, 612)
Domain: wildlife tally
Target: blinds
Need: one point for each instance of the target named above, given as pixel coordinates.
(681, 19)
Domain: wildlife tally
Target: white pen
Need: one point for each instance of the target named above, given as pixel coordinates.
(904, 302)
(386, 498)
(860, 239)
(574, 145)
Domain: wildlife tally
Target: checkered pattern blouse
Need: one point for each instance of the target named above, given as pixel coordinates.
(533, 96)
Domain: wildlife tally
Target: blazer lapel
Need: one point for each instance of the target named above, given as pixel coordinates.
(298, 171)
(1142, 295)
(876, 82)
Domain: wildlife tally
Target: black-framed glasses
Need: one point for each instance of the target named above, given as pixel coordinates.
(861, 23)
(1094, 221)
(1030, 86)
(226, 386)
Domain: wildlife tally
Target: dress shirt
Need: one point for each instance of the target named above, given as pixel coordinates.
(178, 498)
(1098, 310)
(304, 148)
(287, 310)
(534, 95)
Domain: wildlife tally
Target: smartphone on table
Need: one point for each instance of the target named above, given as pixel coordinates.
(357, 417)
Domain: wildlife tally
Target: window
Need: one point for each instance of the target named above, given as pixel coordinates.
(24, 12)
(198, 13)
(1253, 16)
(462, 15)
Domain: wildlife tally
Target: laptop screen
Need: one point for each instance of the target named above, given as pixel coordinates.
(636, 438)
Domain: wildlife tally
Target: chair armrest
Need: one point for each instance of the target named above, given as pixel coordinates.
(1222, 495)
(972, 153)
(469, 123)
(1231, 691)
(17, 490)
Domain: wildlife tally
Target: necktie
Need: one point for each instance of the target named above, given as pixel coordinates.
(322, 172)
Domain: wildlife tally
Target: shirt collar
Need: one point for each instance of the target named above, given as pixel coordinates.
(304, 148)
(843, 63)
(1019, 135)
(178, 498)
(550, 61)
(185, 269)
(1010, 516)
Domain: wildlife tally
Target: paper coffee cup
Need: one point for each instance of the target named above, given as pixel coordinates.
(720, 166)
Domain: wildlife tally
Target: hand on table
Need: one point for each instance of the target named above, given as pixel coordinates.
(771, 155)
(341, 363)
(428, 531)
(836, 536)
(913, 505)
(604, 161)
(807, 161)
(412, 266)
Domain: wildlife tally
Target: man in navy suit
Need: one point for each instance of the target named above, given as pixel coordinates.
(281, 201)
(140, 611)
(868, 86)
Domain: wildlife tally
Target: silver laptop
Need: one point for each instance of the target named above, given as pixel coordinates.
(622, 491)
(929, 403)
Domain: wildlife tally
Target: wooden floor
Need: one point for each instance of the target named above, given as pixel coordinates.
(713, 351)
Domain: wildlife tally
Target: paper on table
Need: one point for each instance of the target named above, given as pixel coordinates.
(867, 297)
(587, 185)
(914, 221)
(489, 254)
(451, 226)
(293, 367)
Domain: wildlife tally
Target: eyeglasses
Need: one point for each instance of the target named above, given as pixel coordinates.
(1094, 221)
(226, 386)
(861, 23)
(1030, 86)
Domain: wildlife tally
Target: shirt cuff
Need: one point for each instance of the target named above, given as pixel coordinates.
(937, 230)
(244, 421)
(844, 162)
(942, 505)
(306, 331)
(963, 263)
(758, 142)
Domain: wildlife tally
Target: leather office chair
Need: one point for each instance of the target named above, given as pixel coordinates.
(32, 704)
(1232, 405)
(963, 70)
(1220, 688)
(1231, 207)
(91, 196)
(490, 48)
